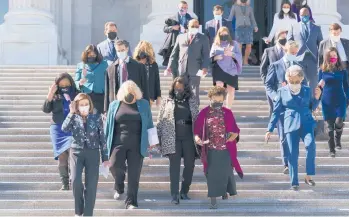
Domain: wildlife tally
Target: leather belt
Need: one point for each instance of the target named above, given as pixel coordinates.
(184, 122)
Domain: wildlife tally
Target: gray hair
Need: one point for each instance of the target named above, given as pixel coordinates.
(294, 71)
(129, 87)
(291, 43)
(121, 42)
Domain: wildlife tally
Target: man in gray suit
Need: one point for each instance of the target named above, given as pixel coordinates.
(190, 54)
(336, 41)
(270, 56)
(309, 37)
(276, 79)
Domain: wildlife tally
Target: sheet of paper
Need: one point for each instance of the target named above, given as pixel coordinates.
(201, 73)
(322, 83)
(153, 136)
(104, 171)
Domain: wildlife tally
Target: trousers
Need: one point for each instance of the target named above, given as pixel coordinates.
(184, 148)
(194, 82)
(293, 138)
(285, 152)
(85, 197)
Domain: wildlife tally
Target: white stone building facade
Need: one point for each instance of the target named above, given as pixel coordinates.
(54, 32)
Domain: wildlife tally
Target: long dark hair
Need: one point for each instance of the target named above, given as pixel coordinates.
(188, 93)
(327, 66)
(62, 76)
(290, 14)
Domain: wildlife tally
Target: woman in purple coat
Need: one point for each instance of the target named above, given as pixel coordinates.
(216, 133)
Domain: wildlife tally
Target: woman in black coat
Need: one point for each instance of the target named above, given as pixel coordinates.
(144, 54)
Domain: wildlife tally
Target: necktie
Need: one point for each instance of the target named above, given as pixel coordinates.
(306, 30)
(281, 53)
(218, 26)
(191, 37)
(112, 46)
(124, 73)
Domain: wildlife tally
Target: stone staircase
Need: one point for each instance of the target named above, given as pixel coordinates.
(29, 178)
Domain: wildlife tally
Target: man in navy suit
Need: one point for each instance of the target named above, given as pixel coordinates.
(276, 79)
(213, 25)
(309, 37)
(107, 47)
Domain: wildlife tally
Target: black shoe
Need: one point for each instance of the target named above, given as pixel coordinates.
(310, 182)
(339, 147)
(286, 170)
(295, 188)
(184, 197)
(64, 188)
(175, 199)
(225, 197)
(332, 154)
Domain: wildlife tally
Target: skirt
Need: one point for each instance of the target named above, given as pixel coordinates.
(220, 174)
(219, 75)
(61, 141)
(244, 34)
(98, 101)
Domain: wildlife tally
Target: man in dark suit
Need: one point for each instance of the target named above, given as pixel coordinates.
(190, 54)
(336, 41)
(107, 47)
(125, 68)
(309, 37)
(213, 25)
(270, 56)
(276, 79)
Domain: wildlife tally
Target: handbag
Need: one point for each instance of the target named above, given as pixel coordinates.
(319, 129)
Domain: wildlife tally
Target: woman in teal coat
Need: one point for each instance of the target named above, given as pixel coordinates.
(129, 120)
(333, 78)
(90, 76)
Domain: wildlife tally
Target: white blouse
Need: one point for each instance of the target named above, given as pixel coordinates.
(281, 24)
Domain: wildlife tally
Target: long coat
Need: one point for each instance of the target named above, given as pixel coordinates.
(166, 124)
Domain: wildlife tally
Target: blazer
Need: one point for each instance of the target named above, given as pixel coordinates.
(307, 46)
(95, 76)
(200, 130)
(136, 73)
(189, 58)
(210, 29)
(93, 137)
(275, 77)
(296, 114)
(105, 50)
(270, 55)
(146, 118)
(241, 19)
(326, 44)
(56, 107)
(166, 123)
(153, 75)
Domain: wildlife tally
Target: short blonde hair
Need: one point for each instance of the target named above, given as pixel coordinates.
(294, 71)
(146, 47)
(83, 96)
(291, 44)
(129, 87)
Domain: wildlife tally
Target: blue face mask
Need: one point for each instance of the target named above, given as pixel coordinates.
(305, 18)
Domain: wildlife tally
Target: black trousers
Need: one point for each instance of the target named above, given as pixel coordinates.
(85, 197)
(131, 154)
(98, 101)
(184, 148)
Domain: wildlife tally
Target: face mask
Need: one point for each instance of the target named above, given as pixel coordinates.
(193, 31)
(243, 1)
(64, 89)
(179, 94)
(122, 55)
(333, 60)
(291, 57)
(217, 17)
(336, 38)
(305, 18)
(216, 105)
(84, 110)
(91, 59)
(295, 88)
(282, 41)
(223, 37)
(143, 55)
(112, 35)
(129, 98)
(183, 11)
(286, 10)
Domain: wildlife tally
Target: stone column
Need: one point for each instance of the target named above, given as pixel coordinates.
(153, 29)
(325, 13)
(28, 36)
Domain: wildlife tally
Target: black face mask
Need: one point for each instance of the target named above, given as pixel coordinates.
(143, 55)
(91, 59)
(112, 35)
(243, 1)
(64, 89)
(282, 41)
(179, 94)
(129, 98)
(216, 105)
(224, 37)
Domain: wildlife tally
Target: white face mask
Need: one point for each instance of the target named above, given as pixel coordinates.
(295, 88)
(122, 55)
(84, 110)
(193, 31)
(217, 17)
(291, 57)
(336, 38)
(286, 10)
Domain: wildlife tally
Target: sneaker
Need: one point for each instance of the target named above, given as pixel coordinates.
(339, 147)
(117, 196)
(295, 188)
(131, 207)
